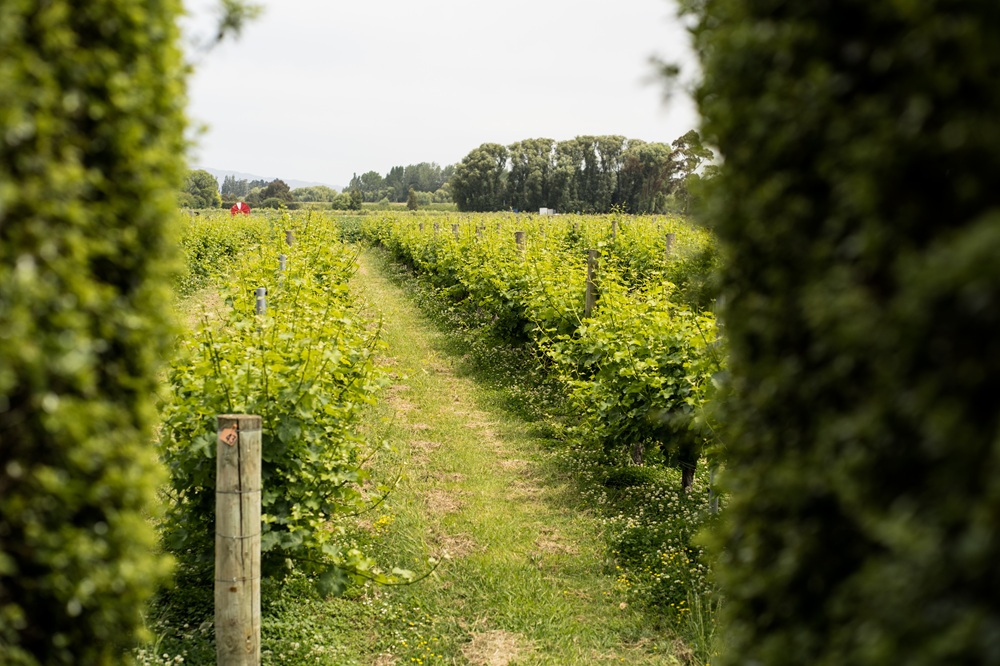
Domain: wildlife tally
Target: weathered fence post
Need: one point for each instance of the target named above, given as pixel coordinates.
(261, 300)
(290, 237)
(591, 296)
(421, 226)
(614, 229)
(237, 540)
(437, 226)
(519, 239)
(479, 231)
(282, 262)
(454, 230)
(713, 499)
(670, 245)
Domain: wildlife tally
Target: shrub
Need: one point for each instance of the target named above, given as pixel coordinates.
(857, 207)
(92, 115)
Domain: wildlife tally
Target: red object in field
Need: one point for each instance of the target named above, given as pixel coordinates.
(241, 207)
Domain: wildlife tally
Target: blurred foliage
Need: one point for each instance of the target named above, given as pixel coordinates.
(859, 213)
(91, 154)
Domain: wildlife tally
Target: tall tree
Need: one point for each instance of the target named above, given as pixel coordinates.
(234, 188)
(566, 177)
(91, 157)
(393, 183)
(530, 164)
(203, 188)
(646, 177)
(858, 206)
(480, 178)
(277, 189)
(314, 193)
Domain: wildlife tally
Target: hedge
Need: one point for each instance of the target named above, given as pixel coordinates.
(859, 212)
(91, 154)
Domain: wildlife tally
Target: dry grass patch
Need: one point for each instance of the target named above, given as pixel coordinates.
(455, 545)
(440, 502)
(419, 427)
(525, 490)
(551, 542)
(396, 401)
(495, 648)
(424, 445)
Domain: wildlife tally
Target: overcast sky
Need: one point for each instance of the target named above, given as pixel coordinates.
(318, 90)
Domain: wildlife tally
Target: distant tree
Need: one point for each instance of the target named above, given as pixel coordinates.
(314, 193)
(565, 177)
(528, 184)
(442, 195)
(355, 199)
(423, 177)
(203, 188)
(277, 189)
(646, 177)
(610, 154)
(411, 200)
(233, 188)
(480, 178)
(393, 184)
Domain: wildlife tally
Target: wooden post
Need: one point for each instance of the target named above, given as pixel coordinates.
(290, 237)
(591, 296)
(261, 300)
(614, 229)
(519, 239)
(713, 499)
(479, 231)
(670, 245)
(454, 230)
(421, 226)
(282, 262)
(437, 226)
(237, 540)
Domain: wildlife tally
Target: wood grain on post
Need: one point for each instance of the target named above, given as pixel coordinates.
(519, 239)
(591, 296)
(237, 540)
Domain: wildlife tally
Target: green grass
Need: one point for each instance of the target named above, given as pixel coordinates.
(524, 568)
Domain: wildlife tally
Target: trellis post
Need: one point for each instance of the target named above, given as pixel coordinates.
(237, 540)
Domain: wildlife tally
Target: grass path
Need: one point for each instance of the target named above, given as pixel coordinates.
(524, 578)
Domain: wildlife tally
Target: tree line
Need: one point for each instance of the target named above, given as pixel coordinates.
(590, 174)
(426, 177)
